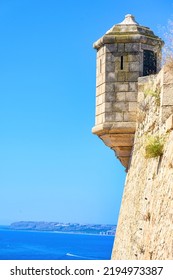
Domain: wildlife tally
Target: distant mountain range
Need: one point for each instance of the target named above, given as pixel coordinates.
(100, 229)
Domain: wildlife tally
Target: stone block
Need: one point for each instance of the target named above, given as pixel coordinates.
(110, 67)
(120, 107)
(99, 100)
(149, 47)
(118, 117)
(131, 96)
(119, 140)
(103, 88)
(132, 106)
(119, 127)
(110, 97)
(108, 107)
(134, 66)
(100, 79)
(131, 47)
(130, 116)
(169, 123)
(98, 90)
(122, 151)
(100, 109)
(122, 76)
(100, 62)
(110, 57)
(101, 51)
(121, 47)
(132, 76)
(109, 117)
(114, 117)
(133, 86)
(120, 96)
(111, 48)
(100, 67)
(121, 87)
(117, 61)
(99, 119)
(110, 77)
(110, 87)
(103, 78)
(133, 57)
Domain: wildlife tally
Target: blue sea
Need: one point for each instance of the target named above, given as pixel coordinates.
(37, 245)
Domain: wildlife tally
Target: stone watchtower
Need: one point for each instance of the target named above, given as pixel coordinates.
(126, 52)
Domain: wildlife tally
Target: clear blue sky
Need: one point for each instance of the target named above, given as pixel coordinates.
(51, 166)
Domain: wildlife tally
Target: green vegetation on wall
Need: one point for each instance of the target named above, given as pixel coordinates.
(154, 146)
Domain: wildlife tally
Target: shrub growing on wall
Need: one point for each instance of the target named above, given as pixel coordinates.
(154, 147)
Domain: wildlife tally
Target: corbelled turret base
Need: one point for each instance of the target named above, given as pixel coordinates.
(119, 139)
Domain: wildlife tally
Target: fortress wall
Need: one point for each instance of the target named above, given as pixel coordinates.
(145, 226)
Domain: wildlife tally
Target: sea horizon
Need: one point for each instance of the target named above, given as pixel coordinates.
(47, 245)
(53, 231)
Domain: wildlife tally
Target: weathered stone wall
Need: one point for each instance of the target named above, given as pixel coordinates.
(116, 90)
(145, 226)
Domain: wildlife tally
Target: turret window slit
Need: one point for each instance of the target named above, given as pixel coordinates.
(100, 66)
(122, 63)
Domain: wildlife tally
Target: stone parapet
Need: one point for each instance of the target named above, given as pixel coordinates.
(159, 86)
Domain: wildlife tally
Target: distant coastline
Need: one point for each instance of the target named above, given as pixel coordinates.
(70, 228)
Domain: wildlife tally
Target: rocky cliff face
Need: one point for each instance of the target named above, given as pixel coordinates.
(145, 226)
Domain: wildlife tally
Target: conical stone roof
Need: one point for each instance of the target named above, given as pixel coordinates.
(129, 31)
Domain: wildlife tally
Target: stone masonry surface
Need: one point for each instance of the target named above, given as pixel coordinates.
(145, 226)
